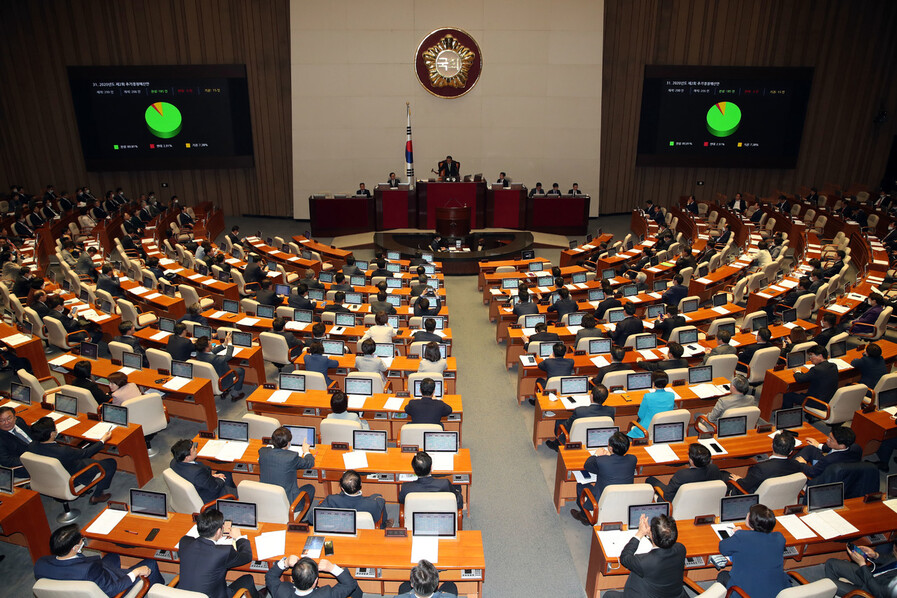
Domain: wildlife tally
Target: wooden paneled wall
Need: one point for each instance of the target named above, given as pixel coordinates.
(39, 141)
(850, 43)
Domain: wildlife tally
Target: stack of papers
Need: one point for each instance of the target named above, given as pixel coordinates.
(828, 524)
(356, 402)
(223, 450)
(443, 461)
(647, 354)
(15, 339)
(842, 365)
(394, 403)
(424, 547)
(279, 396)
(661, 453)
(291, 325)
(795, 527)
(707, 390)
(98, 431)
(585, 478)
(600, 361)
(218, 314)
(160, 336)
(248, 322)
(612, 543)
(106, 522)
(63, 359)
(356, 460)
(574, 401)
(270, 544)
(176, 383)
(838, 309)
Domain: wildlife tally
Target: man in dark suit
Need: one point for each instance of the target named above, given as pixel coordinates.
(575, 190)
(22, 230)
(699, 469)
(558, 365)
(70, 324)
(392, 181)
(126, 337)
(617, 355)
(610, 301)
(555, 190)
(422, 464)
(778, 465)
(278, 464)
(428, 334)
(822, 378)
(266, 295)
(836, 265)
(840, 447)
(350, 269)
(449, 169)
(676, 292)
(109, 282)
(233, 384)
(350, 497)
(15, 436)
(738, 203)
(255, 270)
(524, 306)
(564, 305)
(628, 326)
(341, 284)
(426, 409)
(304, 578)
(425, 581)
(68, 564)
(337, 306)
(611, 465)
(791, 297)
(658, 572)
(872, 572)
(724, 237)
(298, 300)
(362, 192)
(537, 190)
(428, 304)
(871, 365)
(294, 343)
(764, 338)
(503, 180)
(674, 361)
(828, 329)
(43, 436)
(379, 303)
(209, 486)
(205, 560)
(179, 345)
(671, 321)
(22, 285)
(420, 286)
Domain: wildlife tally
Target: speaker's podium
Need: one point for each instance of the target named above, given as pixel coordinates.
(453, 221)
(432, 195)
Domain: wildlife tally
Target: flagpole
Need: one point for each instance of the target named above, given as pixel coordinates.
(409, 153)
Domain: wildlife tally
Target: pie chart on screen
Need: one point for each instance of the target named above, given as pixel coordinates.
(163, 119)
(723, 119)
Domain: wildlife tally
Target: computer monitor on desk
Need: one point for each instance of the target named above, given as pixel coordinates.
(6, 480)
(700, 374)
(736, 425)
(229, 429)
(303, 316)
(599, 346)
(668, 433)
(736, 508)
(796, 359)
(66, 404)
(240, 514)
(530, 321)
(759, 322)
(654, 311)
(334, 522)
(441, 442)
(181, 369)
(574, 385)
(359, 386)
(599, 437)
(437, 393)
(825, 496)
(596, 295)
(300, 434)
(149, 504)
(264, 311)
(645, 341)
(786, 419)
(439, 525)
(202, 331)
(20, 393)
(638, 381)
(650, 510)
(89, 351)
(132, 360)
(292, 382)
(369, 440)
(660, 285)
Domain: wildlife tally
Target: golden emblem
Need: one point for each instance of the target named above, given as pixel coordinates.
(448, 63)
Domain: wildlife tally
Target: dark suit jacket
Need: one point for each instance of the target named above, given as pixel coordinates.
(871, 370)
(606, 304)
(613, 367)
(449, 170)
(656, 574)
(268, 297)
(300, 302)
(384, 306)
(11, 447)
(253, 273)
(851, 455)
(611, 469)
(69, 323)
(110, 285)
(543, 337)
(825, 336)
(688, 475)
(200, 475)
(823, 379)
(131, 341)
(525, 309)
(757, 563)
(427, 410)
(84, 568)
(771, 468)
(218, 358)
(279, 467)
(666, 326)
(665, 364)
(556, 366)
(374, 504)
(793, 295)
(422, 336)
(204, 564)
(345, 585)
(179, 347)
(626, 328)
(747, 353)
(593, 410)
(674, 294)
(72, 459)
(430, 484)
(563, 307)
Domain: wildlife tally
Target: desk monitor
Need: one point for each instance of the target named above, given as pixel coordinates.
(630, 290)
(85, 296)
(646, 341)
(394, 300)
(362, 265)
(700, 374)
(20, 393)
(427, 257)
(729, 327)
(300, 434)
(759, 322)
(650, 510)
(429, 269)
(703, 271)
(66, 286)
(282, 289)
(344, 319)
(333, 347)
(325, 277)
(536, 266)
(105, 307)
(531, 320)
(231, 306)
(316, 294)
(89, 350)
(611, 251)
(354, 298)
(574, 385)
(132, 360)
(393, 321)
(149, 504)
(359, 386)
(115, 414)
(294, 382)
(688, 336)
(385, 350)
(892, 486)
(690, 305)
(575, 319)
(526, 254)
(837, 349)
(201, 331)
(735, 425)
(264, 311)
(438, 525)
(356, 280)
(240, 514)
(222, 277)
(369, 440)
(574, 244)
(599, 437)
(736, 508)
(393, 255)
(396, 283)
(615, 315)
(66, 404)
(887, 398)
(393, 268)
(509, 283)
(305, 253)
(27, 328)
(668, 433)
(334, 522)
(437, 393)
(6, 479)
(441, 442)
(440, 321)
(720, 299)
(786, 419)
(181, 369)
(304, 316)
(797, 359)
(201, 269)
(599, 346)
(596, 295)
(638, 381)
(825, 496)
(546, 349)
(231, 429)
(608, 273)
(660, 285)
(789, 315)
(148, 282)
(578, 278)
(654, 311)
(242, 339)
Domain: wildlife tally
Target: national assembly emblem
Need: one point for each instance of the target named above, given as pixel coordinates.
(448, 63)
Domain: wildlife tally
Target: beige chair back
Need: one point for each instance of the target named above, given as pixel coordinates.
(778, 493)
(274, 348)
(116, 349)
(260, 426)
(183, 495)
(48, 476)
(159, 359)
(273, 503)
(148, 411)
(615, 500)
(67, 588)
(428, 502)
(579, 431)
(413, 434)
(823, 588)
(698, 498)
(338, 430)
(668, 417)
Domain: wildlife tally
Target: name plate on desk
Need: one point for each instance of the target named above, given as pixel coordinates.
(573, 446)
(339, 446)
(395, 532)
(410, 448)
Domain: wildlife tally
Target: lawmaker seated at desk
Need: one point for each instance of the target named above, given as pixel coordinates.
(209, 486)
(432, 360)
(822, 378)
(304, 579)
(426, 409)
(739, 397)
(278, 464)
(658, 572)
(537, 190)
(555, 190)
(610, 466)
(758, 564)
(839, 447)
(424, 583)
(369, 362)
(871, 570)
(700, 469)
(658, 401)
(67, 563)
(596, 409)
(339, 409)
(428, 334)
(205, 560)
(422, 464)
(575, 190)
(428, 304)
(350, 497)
(15, 436)
(779, 464)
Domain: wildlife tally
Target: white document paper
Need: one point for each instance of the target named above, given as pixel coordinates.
(176, 383)
(828, 524)
(63, 359)
(211, 448)
(356, 402)
(722, 310)
(614, 542)
(647, 354)
(443, 461)
(706, 390)
(160, 336)
(424, 547)
(291, 325)
(891, 504)
(248, 322)
(387, 361)
(356, 460)
(98, 431)
(270, 544)
(710, 443)
(574, 401)
(704, 280)
(106, 522)
(661, 453)
(63, 425)
(218, 314)
(139, 290)
(797, 528)
(232, 450)
(195, 276)
(127, 370)
(153, 296)
(728, 527)
(585, 478)
(279, 396)
(393, 403)
(15, 339)
(840, 309)
(842, 365)
(528, 360)
(600, 361)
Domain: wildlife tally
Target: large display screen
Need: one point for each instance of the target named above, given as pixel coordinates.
(163, 117)
(722, 116)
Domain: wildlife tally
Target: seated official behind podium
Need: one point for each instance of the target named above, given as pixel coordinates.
(205, 560)
(362, 192)
(758, 564)
(392, 181)
(610, 465)
(422, 464)
(575, 190)
(209, 486)
(537, 190)
(659, 572)
(424, 583)
(350, 497)
(304, 579)
(67, 563)
(449, 170)
(503, 180)
(555, 190)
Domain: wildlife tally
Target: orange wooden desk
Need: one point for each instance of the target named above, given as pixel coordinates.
(24, 522)
(32, 350)
(873, 428)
